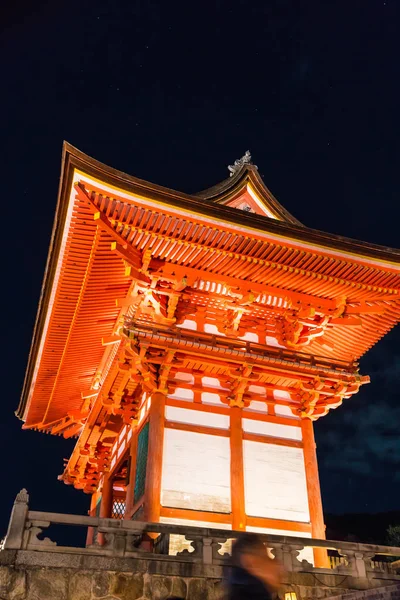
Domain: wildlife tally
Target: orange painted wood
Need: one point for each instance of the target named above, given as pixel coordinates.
(237, 470)
(187, 247)
(106, 498)
(282, 269)
(314, 491)
(118, 463)
(92, 513)
(219, 410)
(154, 458)
(279, 524)
(135, 508)
(196, 515)
(271, 418)
(197, 428)
(129, 500)
(106, 505)
(268, 439)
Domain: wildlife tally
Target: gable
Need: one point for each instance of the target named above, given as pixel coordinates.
(249, 201)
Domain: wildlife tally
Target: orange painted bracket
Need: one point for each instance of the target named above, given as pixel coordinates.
(109, 340)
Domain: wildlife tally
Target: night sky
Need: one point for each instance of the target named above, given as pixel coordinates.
(174, 92)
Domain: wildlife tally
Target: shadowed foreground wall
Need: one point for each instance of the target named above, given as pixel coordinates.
(29, 575)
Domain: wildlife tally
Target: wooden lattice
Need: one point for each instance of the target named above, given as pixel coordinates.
(118, 510)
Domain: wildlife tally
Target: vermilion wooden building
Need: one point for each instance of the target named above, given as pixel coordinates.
(188, 342)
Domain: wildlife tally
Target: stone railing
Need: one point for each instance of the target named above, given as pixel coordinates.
(158, 541)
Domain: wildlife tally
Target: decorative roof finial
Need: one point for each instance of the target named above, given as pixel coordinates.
(22, 497)
(239, 163)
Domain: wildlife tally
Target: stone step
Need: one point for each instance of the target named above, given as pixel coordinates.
(389, 592)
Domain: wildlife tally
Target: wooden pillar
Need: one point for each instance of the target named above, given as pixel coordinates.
(152, 493)
(92, 513)
(130, 491)
(237, 470)
(314, 491)
(106, 505)
(106, 499)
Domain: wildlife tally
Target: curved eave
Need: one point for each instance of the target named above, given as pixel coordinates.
(224, 191)
(74, 159)
(54, 249)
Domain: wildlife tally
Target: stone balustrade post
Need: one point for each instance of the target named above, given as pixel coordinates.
(360, 564)
(294, 551)
(287, 557)
(277, 551)
(16, 526)
(119, 543)
(196, 542)
(207, 551)
(357, 562)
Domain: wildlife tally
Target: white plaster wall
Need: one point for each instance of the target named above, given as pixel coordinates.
(212, 382)
(281, 394)
(196, 471)
(272, 341)
(182, 394)
(284, 411)
(289, 432)
(196, 417)
(249, 336)
(211, 328)
(187, 377)
(257, 389)
(275, 482)
(210, 398)
(144, 411)
(188, 324)
(257, 406)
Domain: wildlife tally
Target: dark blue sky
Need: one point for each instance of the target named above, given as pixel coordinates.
(173, 93)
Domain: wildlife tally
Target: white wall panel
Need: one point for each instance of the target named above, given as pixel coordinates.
(213, 329)
(258, 389)
(196, 471)
(187, 377)
(275, 482)
(211, 398)
(272, 341)
(212, 382)
(249, 336)
(289, 432)
(257, 406)
(284, 411)
(196, 417)
(188, 324)
(182, 394)
(281, 394)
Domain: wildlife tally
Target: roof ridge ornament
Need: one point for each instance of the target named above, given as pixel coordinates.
(240, 162)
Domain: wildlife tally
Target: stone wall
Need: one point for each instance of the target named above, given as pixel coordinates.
(30, 575)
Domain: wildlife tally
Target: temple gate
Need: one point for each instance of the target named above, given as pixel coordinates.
(189, 342)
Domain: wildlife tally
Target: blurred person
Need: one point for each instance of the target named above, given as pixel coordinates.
(252, 574)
